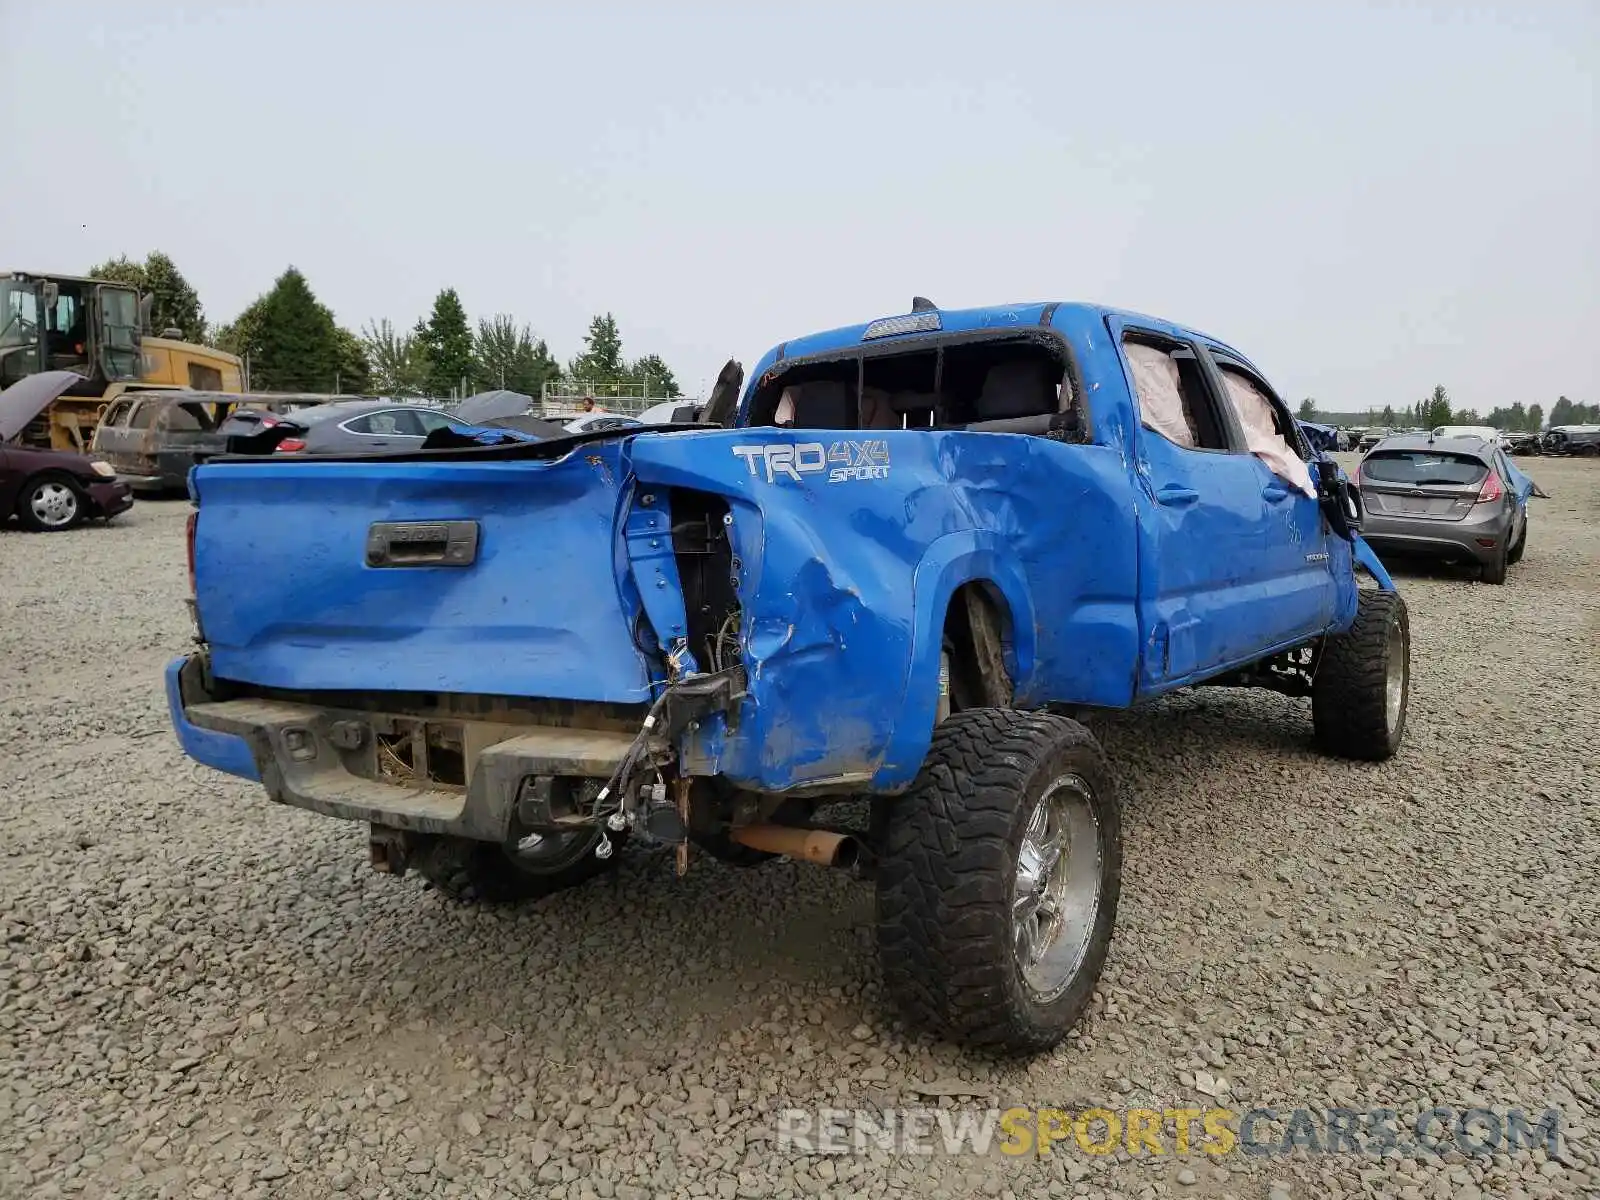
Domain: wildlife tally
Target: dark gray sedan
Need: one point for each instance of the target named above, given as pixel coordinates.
(348, 427)
(1455, 498)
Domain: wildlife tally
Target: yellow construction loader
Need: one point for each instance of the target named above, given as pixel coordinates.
(99, 329)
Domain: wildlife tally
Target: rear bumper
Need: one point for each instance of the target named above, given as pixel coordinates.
(324, 759)
(1439, 539)
(226, 752)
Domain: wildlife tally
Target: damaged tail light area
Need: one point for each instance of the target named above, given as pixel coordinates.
(192, 603)
(709, 572)
(188, 537)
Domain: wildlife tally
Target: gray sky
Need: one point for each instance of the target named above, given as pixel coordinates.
(1367, 199)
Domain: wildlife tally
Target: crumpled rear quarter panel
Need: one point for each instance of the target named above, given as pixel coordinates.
(851, 546)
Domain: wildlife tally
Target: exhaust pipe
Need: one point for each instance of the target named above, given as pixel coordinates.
(820, 846)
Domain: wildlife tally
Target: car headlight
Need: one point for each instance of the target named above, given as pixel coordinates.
(103, 468)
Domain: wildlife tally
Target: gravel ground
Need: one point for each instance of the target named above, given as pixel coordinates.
(204, 994)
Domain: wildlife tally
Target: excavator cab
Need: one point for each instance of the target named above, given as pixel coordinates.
(62, 322)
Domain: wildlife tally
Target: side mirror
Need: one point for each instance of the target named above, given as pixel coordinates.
(52, 293)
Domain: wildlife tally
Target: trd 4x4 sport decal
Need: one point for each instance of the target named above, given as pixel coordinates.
(840, 462)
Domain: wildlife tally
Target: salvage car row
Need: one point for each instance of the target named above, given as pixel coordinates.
(147, 442)
(1453, 494)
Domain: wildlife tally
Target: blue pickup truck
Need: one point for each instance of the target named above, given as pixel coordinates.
(896, 567)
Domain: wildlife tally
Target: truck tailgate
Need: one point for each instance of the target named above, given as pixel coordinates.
(288, 595)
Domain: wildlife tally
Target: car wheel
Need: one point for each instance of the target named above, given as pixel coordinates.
(1363, 682)
(1515, 554)
(526, 867)
(998, 880)
(1494, 571)
(50, 503)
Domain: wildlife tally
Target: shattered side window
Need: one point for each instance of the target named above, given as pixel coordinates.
(1159, 386)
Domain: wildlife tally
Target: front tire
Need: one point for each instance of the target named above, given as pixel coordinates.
(50, 504)
(998, 884)
(1363, 683)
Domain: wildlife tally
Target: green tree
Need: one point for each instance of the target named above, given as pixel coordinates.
(236, 335)
(656, 376)
(354, 376)
(176, 304)
(600, 365)
(1308, 409)
(1535, 417)
(1387, 416)
(1435, 410)
(289, 338)
(120, 269)
(447, 341)
(398, 361)
(507, 355)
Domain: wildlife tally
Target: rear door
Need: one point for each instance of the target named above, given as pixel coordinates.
(386, 429)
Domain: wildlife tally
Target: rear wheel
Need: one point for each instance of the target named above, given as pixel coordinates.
(49, 504)
(1494, 571)
(999, 879)
(1363, 683)
(1515, 554)
(528, 865)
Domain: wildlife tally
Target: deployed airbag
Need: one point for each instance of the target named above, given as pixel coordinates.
(1155, 378)
(1262, 436)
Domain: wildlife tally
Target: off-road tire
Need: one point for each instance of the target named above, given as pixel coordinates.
(1349, 697)
(31, 522)
(1515, 554)
(474, 872)
(948, 871)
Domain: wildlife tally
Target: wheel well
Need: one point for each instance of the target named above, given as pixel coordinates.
(48, 473)
(978, 633)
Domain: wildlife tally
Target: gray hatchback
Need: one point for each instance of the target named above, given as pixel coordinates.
(1454, 498)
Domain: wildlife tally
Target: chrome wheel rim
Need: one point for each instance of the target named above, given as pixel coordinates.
(53, 504)
(1395, 677)
(1056, 896)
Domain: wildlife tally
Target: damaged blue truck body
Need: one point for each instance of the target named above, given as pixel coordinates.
(898, 565)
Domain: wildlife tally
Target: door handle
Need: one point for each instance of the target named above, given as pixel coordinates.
(422, 543)
(1274, 492)
(1176, 496)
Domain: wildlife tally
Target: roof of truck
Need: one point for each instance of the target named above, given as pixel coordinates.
(990, 319)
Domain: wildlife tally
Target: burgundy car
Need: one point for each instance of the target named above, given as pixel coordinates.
(50, 490)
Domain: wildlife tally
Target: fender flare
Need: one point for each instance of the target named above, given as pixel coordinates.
(976, 555)
(1367, 557)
